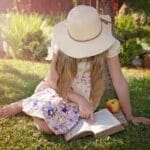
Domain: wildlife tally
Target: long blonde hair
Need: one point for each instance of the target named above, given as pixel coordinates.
(66, 68)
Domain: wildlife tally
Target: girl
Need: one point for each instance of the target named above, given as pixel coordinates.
(81, 46)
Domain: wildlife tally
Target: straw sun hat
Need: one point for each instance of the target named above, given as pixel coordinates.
(84, 33)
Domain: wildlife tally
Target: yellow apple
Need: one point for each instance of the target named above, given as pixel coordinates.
(113, 105)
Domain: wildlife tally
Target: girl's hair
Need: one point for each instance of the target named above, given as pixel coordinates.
(66, 68)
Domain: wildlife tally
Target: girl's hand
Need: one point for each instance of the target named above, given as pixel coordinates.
(138, 120)
(41, 86)
(85, 109)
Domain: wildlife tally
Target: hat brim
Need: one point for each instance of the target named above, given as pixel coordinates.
(78, 49)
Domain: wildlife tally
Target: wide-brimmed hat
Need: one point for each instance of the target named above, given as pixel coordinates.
(84, 33)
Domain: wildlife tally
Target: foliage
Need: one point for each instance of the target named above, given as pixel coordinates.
(146, 40)
(138, 5)
(34, 46)
(17, 26)
(18, 80)
(53, 19)
(125, 25)
(129, 50)
(130, 32)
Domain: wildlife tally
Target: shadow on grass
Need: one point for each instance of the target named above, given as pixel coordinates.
(138, 137)
(16, 85)
(140, 95)
(23, 76)
(134, 137)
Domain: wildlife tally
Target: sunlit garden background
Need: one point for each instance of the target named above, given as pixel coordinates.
(25, 36)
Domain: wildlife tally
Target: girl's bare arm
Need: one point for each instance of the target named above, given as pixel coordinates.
(121, 87)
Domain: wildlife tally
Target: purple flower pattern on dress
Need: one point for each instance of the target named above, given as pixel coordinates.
(60, 115)
(63, 120)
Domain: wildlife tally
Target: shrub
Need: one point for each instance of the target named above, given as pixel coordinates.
(52, 20)
(138, 5)
(129, 30)
(129, 50)
(16, 29)
(34, 46)
(125, 25)
(128, 26)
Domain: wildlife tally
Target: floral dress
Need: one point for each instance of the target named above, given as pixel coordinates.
(60, 115)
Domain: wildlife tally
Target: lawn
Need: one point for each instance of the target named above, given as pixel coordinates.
(18, 80)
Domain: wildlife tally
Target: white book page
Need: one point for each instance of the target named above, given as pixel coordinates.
(103, 120)
(82, 126)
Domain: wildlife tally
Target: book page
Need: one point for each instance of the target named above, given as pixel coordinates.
(82, 126)
(104, 124)
(103, 120)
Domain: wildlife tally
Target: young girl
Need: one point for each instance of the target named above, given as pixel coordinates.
(81, 46)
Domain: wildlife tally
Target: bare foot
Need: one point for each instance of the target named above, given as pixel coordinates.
(11, 109)
(41, 125)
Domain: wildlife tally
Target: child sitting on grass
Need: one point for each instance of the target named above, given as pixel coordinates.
(81, 45)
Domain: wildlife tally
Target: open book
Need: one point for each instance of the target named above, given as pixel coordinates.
(105, 123)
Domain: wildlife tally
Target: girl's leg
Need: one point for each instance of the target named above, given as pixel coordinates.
(41, 125)
(11, 109)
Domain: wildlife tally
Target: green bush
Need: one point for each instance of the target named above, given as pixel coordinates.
(16, 29)
(34, 46)
(129, 30)
(132, 26)
(129, 50)
(52, 20)
(125, 25)
(138, 5)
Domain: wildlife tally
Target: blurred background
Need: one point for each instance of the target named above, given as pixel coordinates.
(26, 26)
(25, 36)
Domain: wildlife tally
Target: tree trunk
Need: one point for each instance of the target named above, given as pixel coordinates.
(107, 9)
(93, 3)
(83, 2)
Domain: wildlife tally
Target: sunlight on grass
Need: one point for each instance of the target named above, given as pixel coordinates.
(136, 73)
(18, 79)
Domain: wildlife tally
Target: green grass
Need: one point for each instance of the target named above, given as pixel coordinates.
(18, 80)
